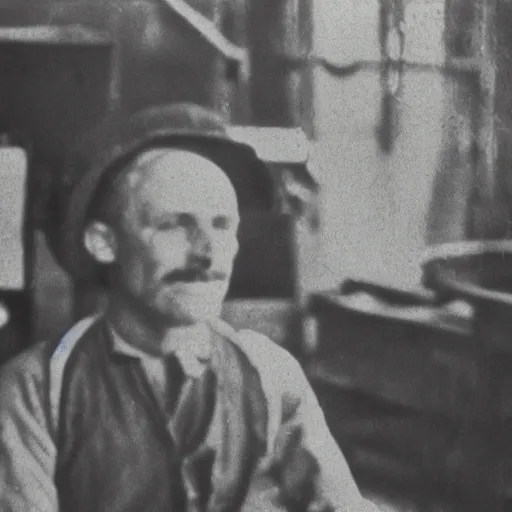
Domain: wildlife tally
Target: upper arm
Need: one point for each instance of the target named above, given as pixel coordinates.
(27, 451)
(336, 482)
(301, 409)
(293, 404)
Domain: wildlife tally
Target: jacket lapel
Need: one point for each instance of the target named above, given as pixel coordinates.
(194, 413)
(243, 425)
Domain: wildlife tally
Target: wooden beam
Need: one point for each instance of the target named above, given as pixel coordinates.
(209, 29)
(235, 25)
(486, 138)
(392, 44)
(71, 35)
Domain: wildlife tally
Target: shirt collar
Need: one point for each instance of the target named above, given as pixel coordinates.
(191, 345)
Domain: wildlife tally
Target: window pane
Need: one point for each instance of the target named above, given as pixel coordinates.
(424, 31)
(347, 30)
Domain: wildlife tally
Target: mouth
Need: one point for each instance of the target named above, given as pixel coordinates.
(184, 277)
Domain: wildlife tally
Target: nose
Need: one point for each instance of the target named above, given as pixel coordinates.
(200, 247)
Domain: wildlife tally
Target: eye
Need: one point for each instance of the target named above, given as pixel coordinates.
(222, 223)
(175, 221)
(167, 225)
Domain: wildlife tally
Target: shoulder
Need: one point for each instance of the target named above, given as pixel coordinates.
(32, 366)
(24, 382)
(276, 366)
(261, 350)
(267, 355)
(28, 367)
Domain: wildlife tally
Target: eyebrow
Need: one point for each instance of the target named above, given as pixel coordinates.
(172, 216)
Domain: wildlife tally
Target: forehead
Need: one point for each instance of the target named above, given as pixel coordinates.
(181, 181)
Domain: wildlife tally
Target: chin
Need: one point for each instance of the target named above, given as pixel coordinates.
(195, 317)
(184, 313)
(192, 303)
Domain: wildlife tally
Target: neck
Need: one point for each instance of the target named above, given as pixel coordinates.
(144, 330)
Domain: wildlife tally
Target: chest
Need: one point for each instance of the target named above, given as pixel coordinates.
(118, 448)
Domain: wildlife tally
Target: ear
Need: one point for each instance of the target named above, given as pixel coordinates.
(100, 241)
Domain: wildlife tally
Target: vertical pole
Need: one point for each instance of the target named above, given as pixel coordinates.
(307, 86)
(115, 14)
(278, 33)
(488, 324)
(239, 74)
(489, 212)
(487, 82)
(392, 42)
(290, 46)
(222, 90)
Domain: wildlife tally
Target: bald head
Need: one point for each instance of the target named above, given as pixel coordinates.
(186, 172)
(164, 179)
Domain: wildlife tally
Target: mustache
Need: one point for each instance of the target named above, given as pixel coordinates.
(191, 275)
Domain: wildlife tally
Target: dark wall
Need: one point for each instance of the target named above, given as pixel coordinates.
(158, 58)
(53, 93)
(281, 93)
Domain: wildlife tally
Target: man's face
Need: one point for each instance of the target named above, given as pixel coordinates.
(177, 239)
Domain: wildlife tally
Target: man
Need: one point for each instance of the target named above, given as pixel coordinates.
(155, 404)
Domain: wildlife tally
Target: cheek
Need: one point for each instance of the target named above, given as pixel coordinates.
(136, 263)
(225, 248)
(169, 250)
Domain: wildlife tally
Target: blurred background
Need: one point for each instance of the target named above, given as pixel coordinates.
(385, 264)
